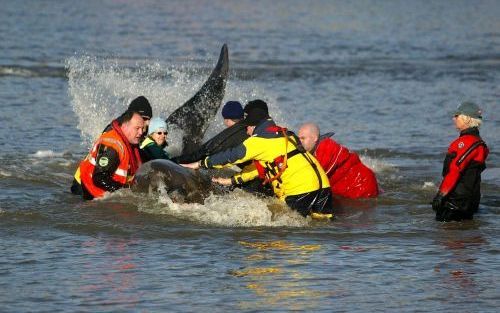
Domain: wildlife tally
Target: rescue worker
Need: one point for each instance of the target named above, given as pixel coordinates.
(234, 134)
(139, 105)
(459, 193)
(152, 147)
(114, 157)
(348, 176)
(295, 175)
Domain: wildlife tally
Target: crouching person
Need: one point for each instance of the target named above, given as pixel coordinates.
(114, 158)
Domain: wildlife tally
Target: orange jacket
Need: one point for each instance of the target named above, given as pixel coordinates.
(128, 161)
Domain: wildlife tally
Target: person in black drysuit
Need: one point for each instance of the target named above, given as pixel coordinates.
(234, 134)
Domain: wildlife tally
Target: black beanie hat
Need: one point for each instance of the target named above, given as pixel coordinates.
(256, 104)
(256, 111)
(141, 105)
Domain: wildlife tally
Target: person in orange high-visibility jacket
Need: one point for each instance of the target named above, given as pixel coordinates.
(139, 105)
(113, 159)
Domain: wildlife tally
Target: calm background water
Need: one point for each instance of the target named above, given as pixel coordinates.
(383, 75)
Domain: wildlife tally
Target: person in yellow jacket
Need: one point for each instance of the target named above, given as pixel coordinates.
(295, 175)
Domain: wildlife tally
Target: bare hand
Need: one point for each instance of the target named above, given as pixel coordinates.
(194, 165)
(222, 181)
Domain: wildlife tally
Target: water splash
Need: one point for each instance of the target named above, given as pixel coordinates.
(47, 154)
(236, 209)
(100, 89)
(377, 165)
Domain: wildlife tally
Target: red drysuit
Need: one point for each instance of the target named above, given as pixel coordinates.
(348, 176)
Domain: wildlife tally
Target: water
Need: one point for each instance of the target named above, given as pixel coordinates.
(383, 76)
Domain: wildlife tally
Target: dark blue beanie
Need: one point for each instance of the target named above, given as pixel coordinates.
(232, 110)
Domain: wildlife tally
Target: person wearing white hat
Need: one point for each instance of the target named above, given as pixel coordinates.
(154, 144)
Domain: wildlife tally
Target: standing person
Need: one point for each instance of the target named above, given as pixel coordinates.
(139, 105)
(233, 135)
(459, 193)
(296, 177)
(154, 144)
(348, 176)
(113, 159)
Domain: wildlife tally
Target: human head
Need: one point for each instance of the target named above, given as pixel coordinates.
(309, 135)
(131, 126)
(158, 130)
(141, 105)
(256, 111)
(232, 111)
(467, 115)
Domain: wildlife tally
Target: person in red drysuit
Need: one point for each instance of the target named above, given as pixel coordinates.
(348, 176)
(459, 193)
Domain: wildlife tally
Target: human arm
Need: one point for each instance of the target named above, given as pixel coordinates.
(228, 138)
(248, 173)
(248, 150)
(107, 162)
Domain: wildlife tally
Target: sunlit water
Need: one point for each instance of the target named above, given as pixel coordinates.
(383, 76)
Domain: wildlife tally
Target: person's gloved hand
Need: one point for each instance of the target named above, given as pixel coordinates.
(438, 201)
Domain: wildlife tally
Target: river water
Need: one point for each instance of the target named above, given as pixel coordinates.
(383, 75)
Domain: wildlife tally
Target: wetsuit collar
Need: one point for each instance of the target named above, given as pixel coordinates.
(133, 151)
(261, 128)
(474, 131)
(320, 138)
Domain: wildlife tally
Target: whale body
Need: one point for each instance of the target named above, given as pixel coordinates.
(165, 174)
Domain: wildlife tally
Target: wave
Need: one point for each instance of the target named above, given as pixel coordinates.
(378, 165)
(32, 71)
(48, 154)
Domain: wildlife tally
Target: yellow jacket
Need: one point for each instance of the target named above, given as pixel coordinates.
(265, 146)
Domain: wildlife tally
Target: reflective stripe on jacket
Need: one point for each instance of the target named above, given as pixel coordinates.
(121, 175)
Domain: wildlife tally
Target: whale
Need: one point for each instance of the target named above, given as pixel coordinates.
(160, 174)
(193, 118)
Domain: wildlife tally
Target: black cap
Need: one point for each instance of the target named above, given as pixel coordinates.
(141, 105)
(256, 104)
(256, 111)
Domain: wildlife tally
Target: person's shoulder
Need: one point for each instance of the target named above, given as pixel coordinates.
(327, 142)
(462, 143)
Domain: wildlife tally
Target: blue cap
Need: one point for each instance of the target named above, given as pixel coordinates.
(156, 124)
(232, 110)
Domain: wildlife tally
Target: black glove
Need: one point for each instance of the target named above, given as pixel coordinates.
(437, 202)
